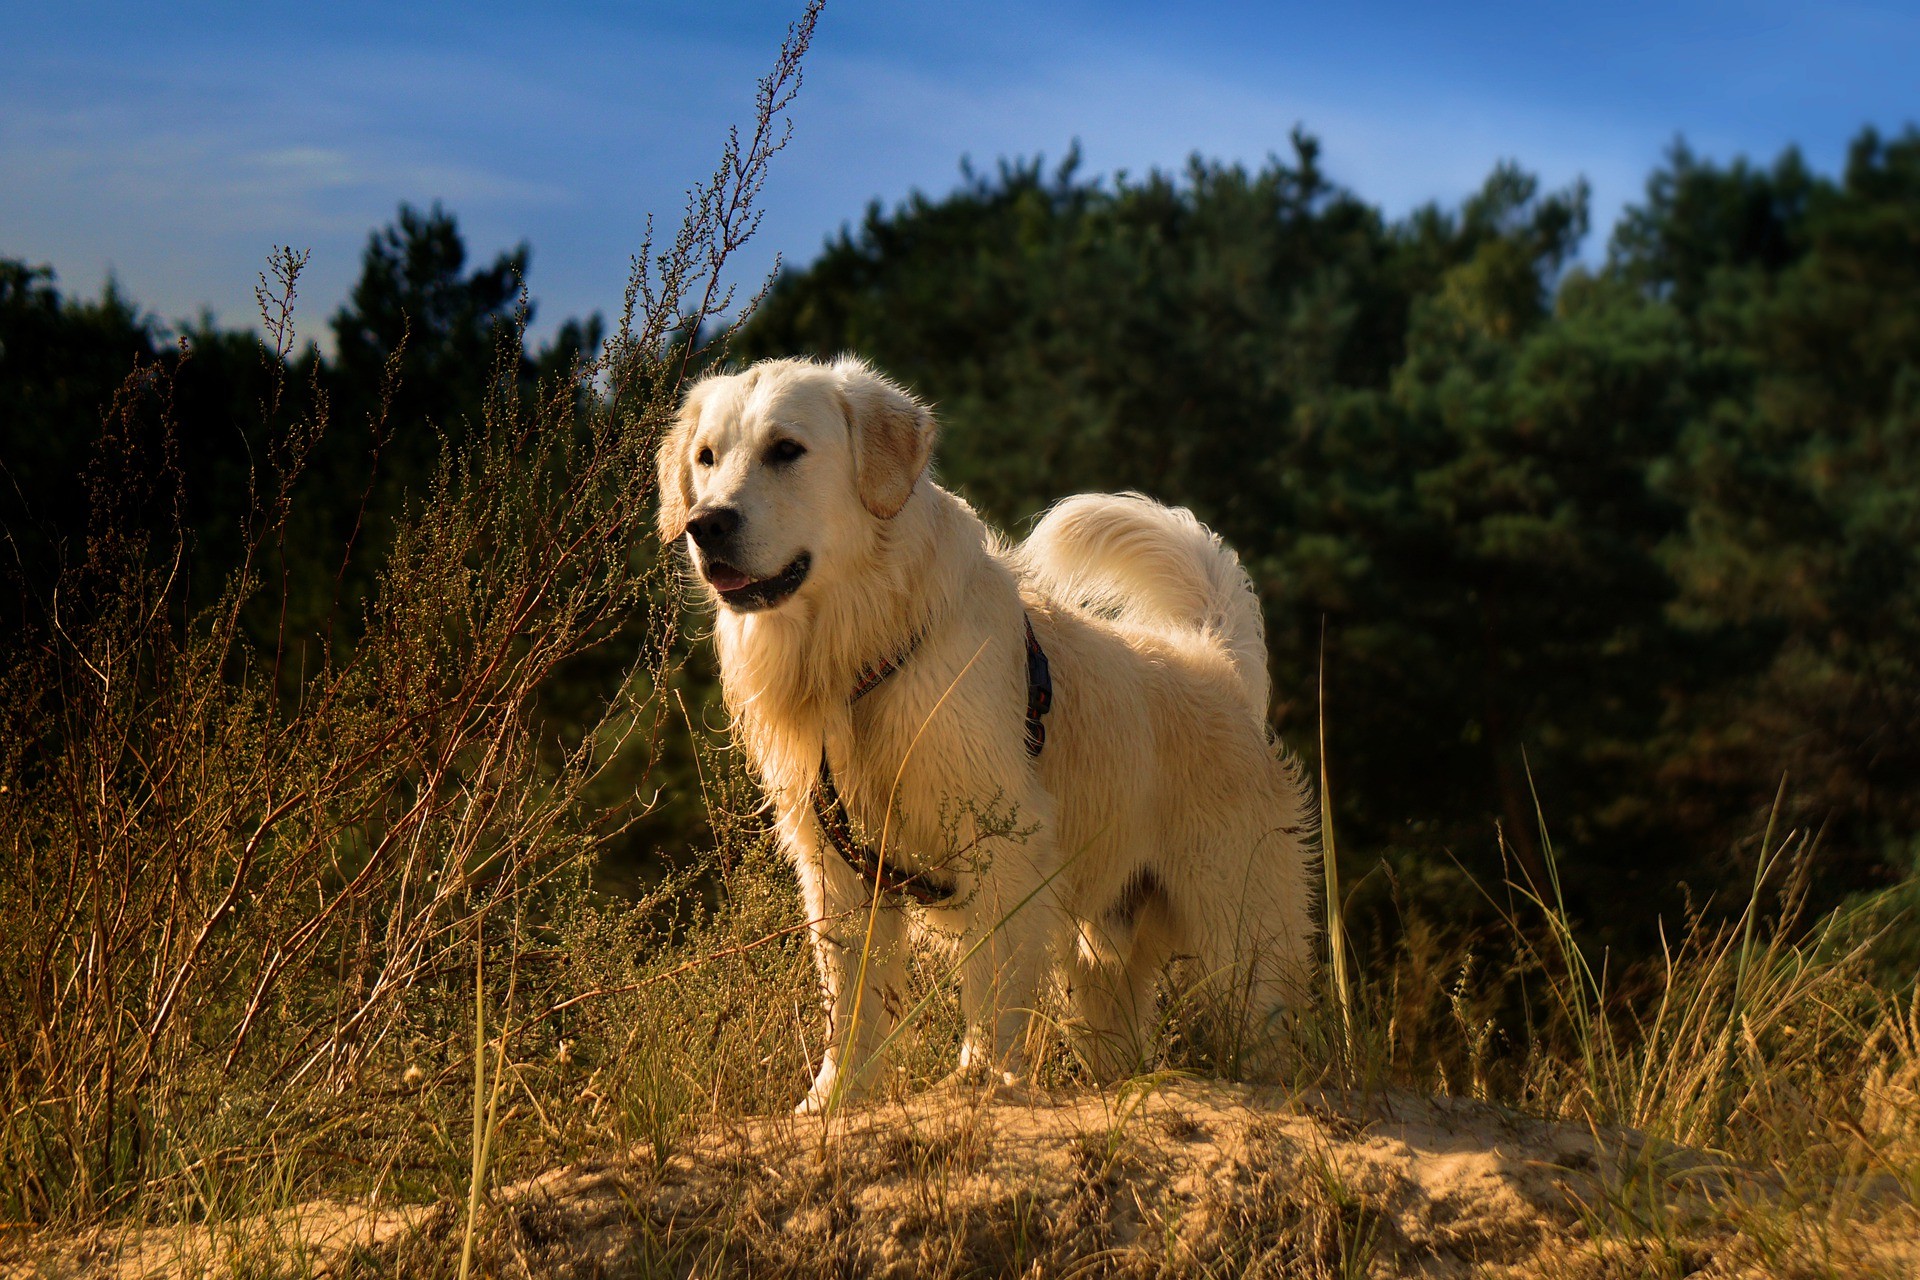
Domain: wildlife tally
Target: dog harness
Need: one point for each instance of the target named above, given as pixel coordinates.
(838, 825)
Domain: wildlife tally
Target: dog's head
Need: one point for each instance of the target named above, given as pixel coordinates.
(774, 473)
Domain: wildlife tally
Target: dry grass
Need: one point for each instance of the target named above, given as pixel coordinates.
(300, 969)
(249, 885)
(1173, 1177)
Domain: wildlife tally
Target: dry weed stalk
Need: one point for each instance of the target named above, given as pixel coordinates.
(229, 879)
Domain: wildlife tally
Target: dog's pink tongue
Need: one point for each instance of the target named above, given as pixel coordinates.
(725, 577)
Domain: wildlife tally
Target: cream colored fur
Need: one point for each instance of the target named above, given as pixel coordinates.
(1159, 822)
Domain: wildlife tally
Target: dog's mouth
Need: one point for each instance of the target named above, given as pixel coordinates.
(739, 591)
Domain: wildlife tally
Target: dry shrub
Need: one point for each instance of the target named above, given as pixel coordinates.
(242, 897)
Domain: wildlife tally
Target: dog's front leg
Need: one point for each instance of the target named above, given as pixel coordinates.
(1006, 934)
(839, 907)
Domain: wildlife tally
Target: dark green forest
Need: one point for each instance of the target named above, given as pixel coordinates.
(1608, 551)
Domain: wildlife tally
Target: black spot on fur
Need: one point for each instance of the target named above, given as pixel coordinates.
(1142, 887)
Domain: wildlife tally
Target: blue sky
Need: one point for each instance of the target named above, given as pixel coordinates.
(174, 146)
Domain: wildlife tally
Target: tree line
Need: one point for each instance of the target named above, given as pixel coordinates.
(1622, 545)
(1590, 557)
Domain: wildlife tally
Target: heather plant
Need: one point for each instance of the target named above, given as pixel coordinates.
(248, 882)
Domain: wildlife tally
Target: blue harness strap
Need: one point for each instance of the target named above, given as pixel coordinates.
(831, 811)
(1039, 692)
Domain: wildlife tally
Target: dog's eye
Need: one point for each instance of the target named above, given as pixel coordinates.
(704, 457)
(785, 451)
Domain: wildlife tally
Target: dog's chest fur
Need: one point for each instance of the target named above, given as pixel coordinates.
(934, 754)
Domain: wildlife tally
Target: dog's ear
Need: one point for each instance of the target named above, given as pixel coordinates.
(892, 436)
(676, 486)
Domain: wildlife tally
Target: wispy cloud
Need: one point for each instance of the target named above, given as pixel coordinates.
(177, 153)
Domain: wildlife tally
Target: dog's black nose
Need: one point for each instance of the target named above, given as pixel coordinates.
(712, 526)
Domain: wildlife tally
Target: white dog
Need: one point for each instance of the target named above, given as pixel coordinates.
(887, 661)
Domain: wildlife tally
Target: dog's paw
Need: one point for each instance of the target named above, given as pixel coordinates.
(1004, 1086)
(831, 1090)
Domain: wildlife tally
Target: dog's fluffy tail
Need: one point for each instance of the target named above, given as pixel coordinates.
(1127, 557)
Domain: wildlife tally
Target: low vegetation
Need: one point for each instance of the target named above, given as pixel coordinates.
(324, 947)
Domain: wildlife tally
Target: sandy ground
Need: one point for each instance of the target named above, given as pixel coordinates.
(1175, 1177)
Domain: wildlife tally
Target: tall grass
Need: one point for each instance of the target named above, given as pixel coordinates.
(1767, 1045)
(238, 891)
(1333, 900)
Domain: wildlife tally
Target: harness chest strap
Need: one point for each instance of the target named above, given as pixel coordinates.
(831, 812)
